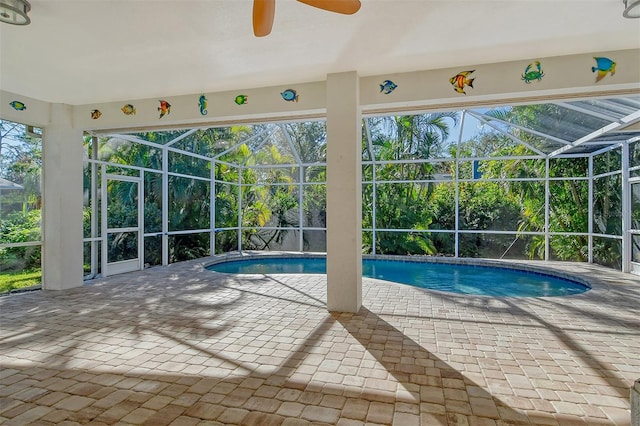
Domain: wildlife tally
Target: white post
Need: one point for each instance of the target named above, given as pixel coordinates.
(95, 207)
(626, 210)
(240, 217)
(300, 205)
(547, 211)
(635, 403)
(165, 206)
(212, 209)
(344, 193)
(590, 203)
(104, 244)
(456, 180)
(141, 252)
(62, 250)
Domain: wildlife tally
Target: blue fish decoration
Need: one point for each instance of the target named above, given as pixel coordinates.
(289, 95)
(202, 104)
(387, 87)
(18, 106)
(603, 66)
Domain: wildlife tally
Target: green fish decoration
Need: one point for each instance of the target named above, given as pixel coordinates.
(241, 99)
(202, 104)
(18, 106)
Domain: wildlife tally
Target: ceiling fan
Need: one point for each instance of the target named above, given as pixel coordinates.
(264, 11)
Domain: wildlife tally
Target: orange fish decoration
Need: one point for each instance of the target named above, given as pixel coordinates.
(460, 81)
(164, 108)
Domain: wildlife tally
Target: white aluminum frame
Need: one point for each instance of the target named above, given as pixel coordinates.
(455, 180)
(129, 265)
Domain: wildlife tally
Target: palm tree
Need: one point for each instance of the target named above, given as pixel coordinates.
(412, 136)
(406, 205)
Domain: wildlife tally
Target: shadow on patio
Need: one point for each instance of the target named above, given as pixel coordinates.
(185, 344)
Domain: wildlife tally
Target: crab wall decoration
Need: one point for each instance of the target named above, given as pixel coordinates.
(533, 72)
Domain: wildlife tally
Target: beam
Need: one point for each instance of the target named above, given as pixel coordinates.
(623, 122)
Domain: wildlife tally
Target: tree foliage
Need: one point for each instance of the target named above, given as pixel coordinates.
(412, 205)
(20, 163)
(410, 199)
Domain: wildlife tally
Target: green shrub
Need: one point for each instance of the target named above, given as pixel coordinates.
(20, 227)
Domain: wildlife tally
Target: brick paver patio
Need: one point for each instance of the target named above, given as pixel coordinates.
(183, 346)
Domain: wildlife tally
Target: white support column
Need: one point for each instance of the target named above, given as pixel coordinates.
(240, 216)
(212, 209)
(626, 210)
(635, 403)
(95, 207)
(165, 206)
(62, 250)
(547, 210)
(456, 180)
(590, 214)
(344, 193)
(300, 205)
(141, 192)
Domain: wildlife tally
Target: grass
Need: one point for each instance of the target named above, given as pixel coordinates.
(10, 280)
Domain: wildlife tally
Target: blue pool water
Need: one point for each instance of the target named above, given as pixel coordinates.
(450, 277)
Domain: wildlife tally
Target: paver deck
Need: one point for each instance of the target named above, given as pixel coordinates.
(181, 345)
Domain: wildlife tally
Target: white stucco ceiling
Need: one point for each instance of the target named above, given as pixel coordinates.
(90, 51)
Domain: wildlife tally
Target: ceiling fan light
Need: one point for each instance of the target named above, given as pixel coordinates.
(631, 8)
(15, 12)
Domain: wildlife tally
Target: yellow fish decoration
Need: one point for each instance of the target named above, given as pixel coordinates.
(128, 109)
(460, 81)
(164, 108)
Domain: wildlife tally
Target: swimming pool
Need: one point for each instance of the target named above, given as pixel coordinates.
(475, 279)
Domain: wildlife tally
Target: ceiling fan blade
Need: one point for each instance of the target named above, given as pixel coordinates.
(263, 14)
(346, 7)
